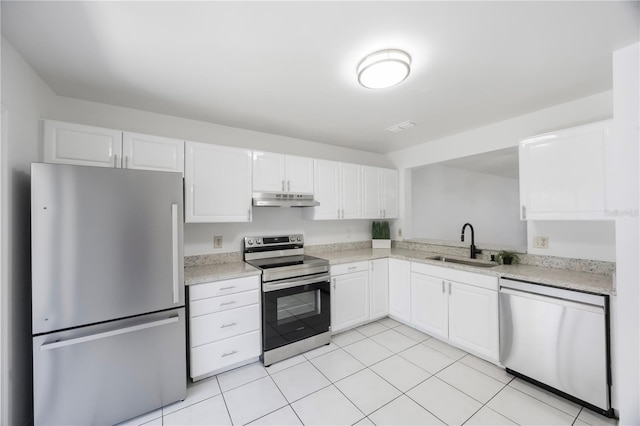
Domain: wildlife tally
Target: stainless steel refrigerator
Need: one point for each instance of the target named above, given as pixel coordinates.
(108, 311)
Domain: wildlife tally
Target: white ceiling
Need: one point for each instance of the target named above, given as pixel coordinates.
(289, 67)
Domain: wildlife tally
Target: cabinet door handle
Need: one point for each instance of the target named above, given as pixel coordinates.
(229, 324)
(343, 213)
(524, 212)
(283, 186)
(288, 186)
(449, 288)
(338, 213)
(126, 161)
(384, 213)
(334, 283)
(249, 214)
(233, 352)
(443, 286)
(231, 287)
(115, 161)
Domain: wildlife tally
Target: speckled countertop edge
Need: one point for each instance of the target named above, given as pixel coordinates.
(218, 272)
(583, 281)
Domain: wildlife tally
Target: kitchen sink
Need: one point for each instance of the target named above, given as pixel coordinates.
(469, 262)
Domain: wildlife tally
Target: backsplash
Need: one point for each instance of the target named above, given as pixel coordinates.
(579, 265)
(567, 263)
(213, 259)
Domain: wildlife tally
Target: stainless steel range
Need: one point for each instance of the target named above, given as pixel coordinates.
(296, 312)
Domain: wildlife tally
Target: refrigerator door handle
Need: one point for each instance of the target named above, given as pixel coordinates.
(98, 336)
(174, 252)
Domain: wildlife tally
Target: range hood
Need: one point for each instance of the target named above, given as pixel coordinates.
(277, 199)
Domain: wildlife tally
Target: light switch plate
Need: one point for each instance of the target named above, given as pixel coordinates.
(541, 242)
(217, 241)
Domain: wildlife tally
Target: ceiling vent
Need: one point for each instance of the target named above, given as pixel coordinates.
(397, 128)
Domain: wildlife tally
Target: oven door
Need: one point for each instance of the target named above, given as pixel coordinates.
(294, 310)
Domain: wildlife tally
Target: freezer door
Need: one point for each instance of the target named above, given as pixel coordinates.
(106, 244)
(105, 374)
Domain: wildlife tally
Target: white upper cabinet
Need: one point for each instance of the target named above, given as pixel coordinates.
(217, 183)
(389, 193)
(282, 173)
(379, 193)
(338, 189)
(350, 191)
(146, 152)
(299, 174)
(327, 187)
(563, 174)
(69, 143)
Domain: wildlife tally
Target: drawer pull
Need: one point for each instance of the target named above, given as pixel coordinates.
(228, 303)
(231, 287)
(351, 268)
(233, 352)
(230, 324)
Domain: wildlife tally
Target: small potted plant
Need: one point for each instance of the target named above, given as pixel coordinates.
(507, 257)
(380, 235)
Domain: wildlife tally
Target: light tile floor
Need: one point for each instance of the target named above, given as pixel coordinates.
(382, 373)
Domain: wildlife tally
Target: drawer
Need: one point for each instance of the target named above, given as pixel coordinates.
(223, 303)
(222, 325)
(221, 288)
(347, 268)
(490, 282)
(214, 356)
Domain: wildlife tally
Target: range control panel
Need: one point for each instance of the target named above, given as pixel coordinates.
(273, 241)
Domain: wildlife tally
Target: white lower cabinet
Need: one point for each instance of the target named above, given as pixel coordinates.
(224, 325)
(473, 319)
(458, 306)
(349, 295)
(400, 290)
(429, 307)
(378, 288)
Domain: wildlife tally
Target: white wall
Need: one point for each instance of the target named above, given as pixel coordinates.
(445, 198)
(272, 221)
(26, 98)
(500, 135)
(593, 240)
(626, 86)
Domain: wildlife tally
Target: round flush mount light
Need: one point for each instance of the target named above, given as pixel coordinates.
(384, 68)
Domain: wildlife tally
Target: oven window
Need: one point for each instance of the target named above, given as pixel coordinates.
(297, 306)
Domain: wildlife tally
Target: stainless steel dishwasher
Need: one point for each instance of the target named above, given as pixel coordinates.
(557, 339)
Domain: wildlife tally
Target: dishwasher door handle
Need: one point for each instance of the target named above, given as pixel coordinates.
(554, 300)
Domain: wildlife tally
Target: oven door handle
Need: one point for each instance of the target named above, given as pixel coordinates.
(295, 283)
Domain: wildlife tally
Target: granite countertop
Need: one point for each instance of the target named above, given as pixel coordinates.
(584, 281)
(223, 271)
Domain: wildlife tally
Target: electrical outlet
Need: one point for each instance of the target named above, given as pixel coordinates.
(399, 232)
(541, 242)
(217, 241)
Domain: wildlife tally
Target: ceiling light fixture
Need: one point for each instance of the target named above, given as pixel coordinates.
(384, 68)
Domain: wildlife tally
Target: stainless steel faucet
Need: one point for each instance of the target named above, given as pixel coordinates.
(473, 248)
